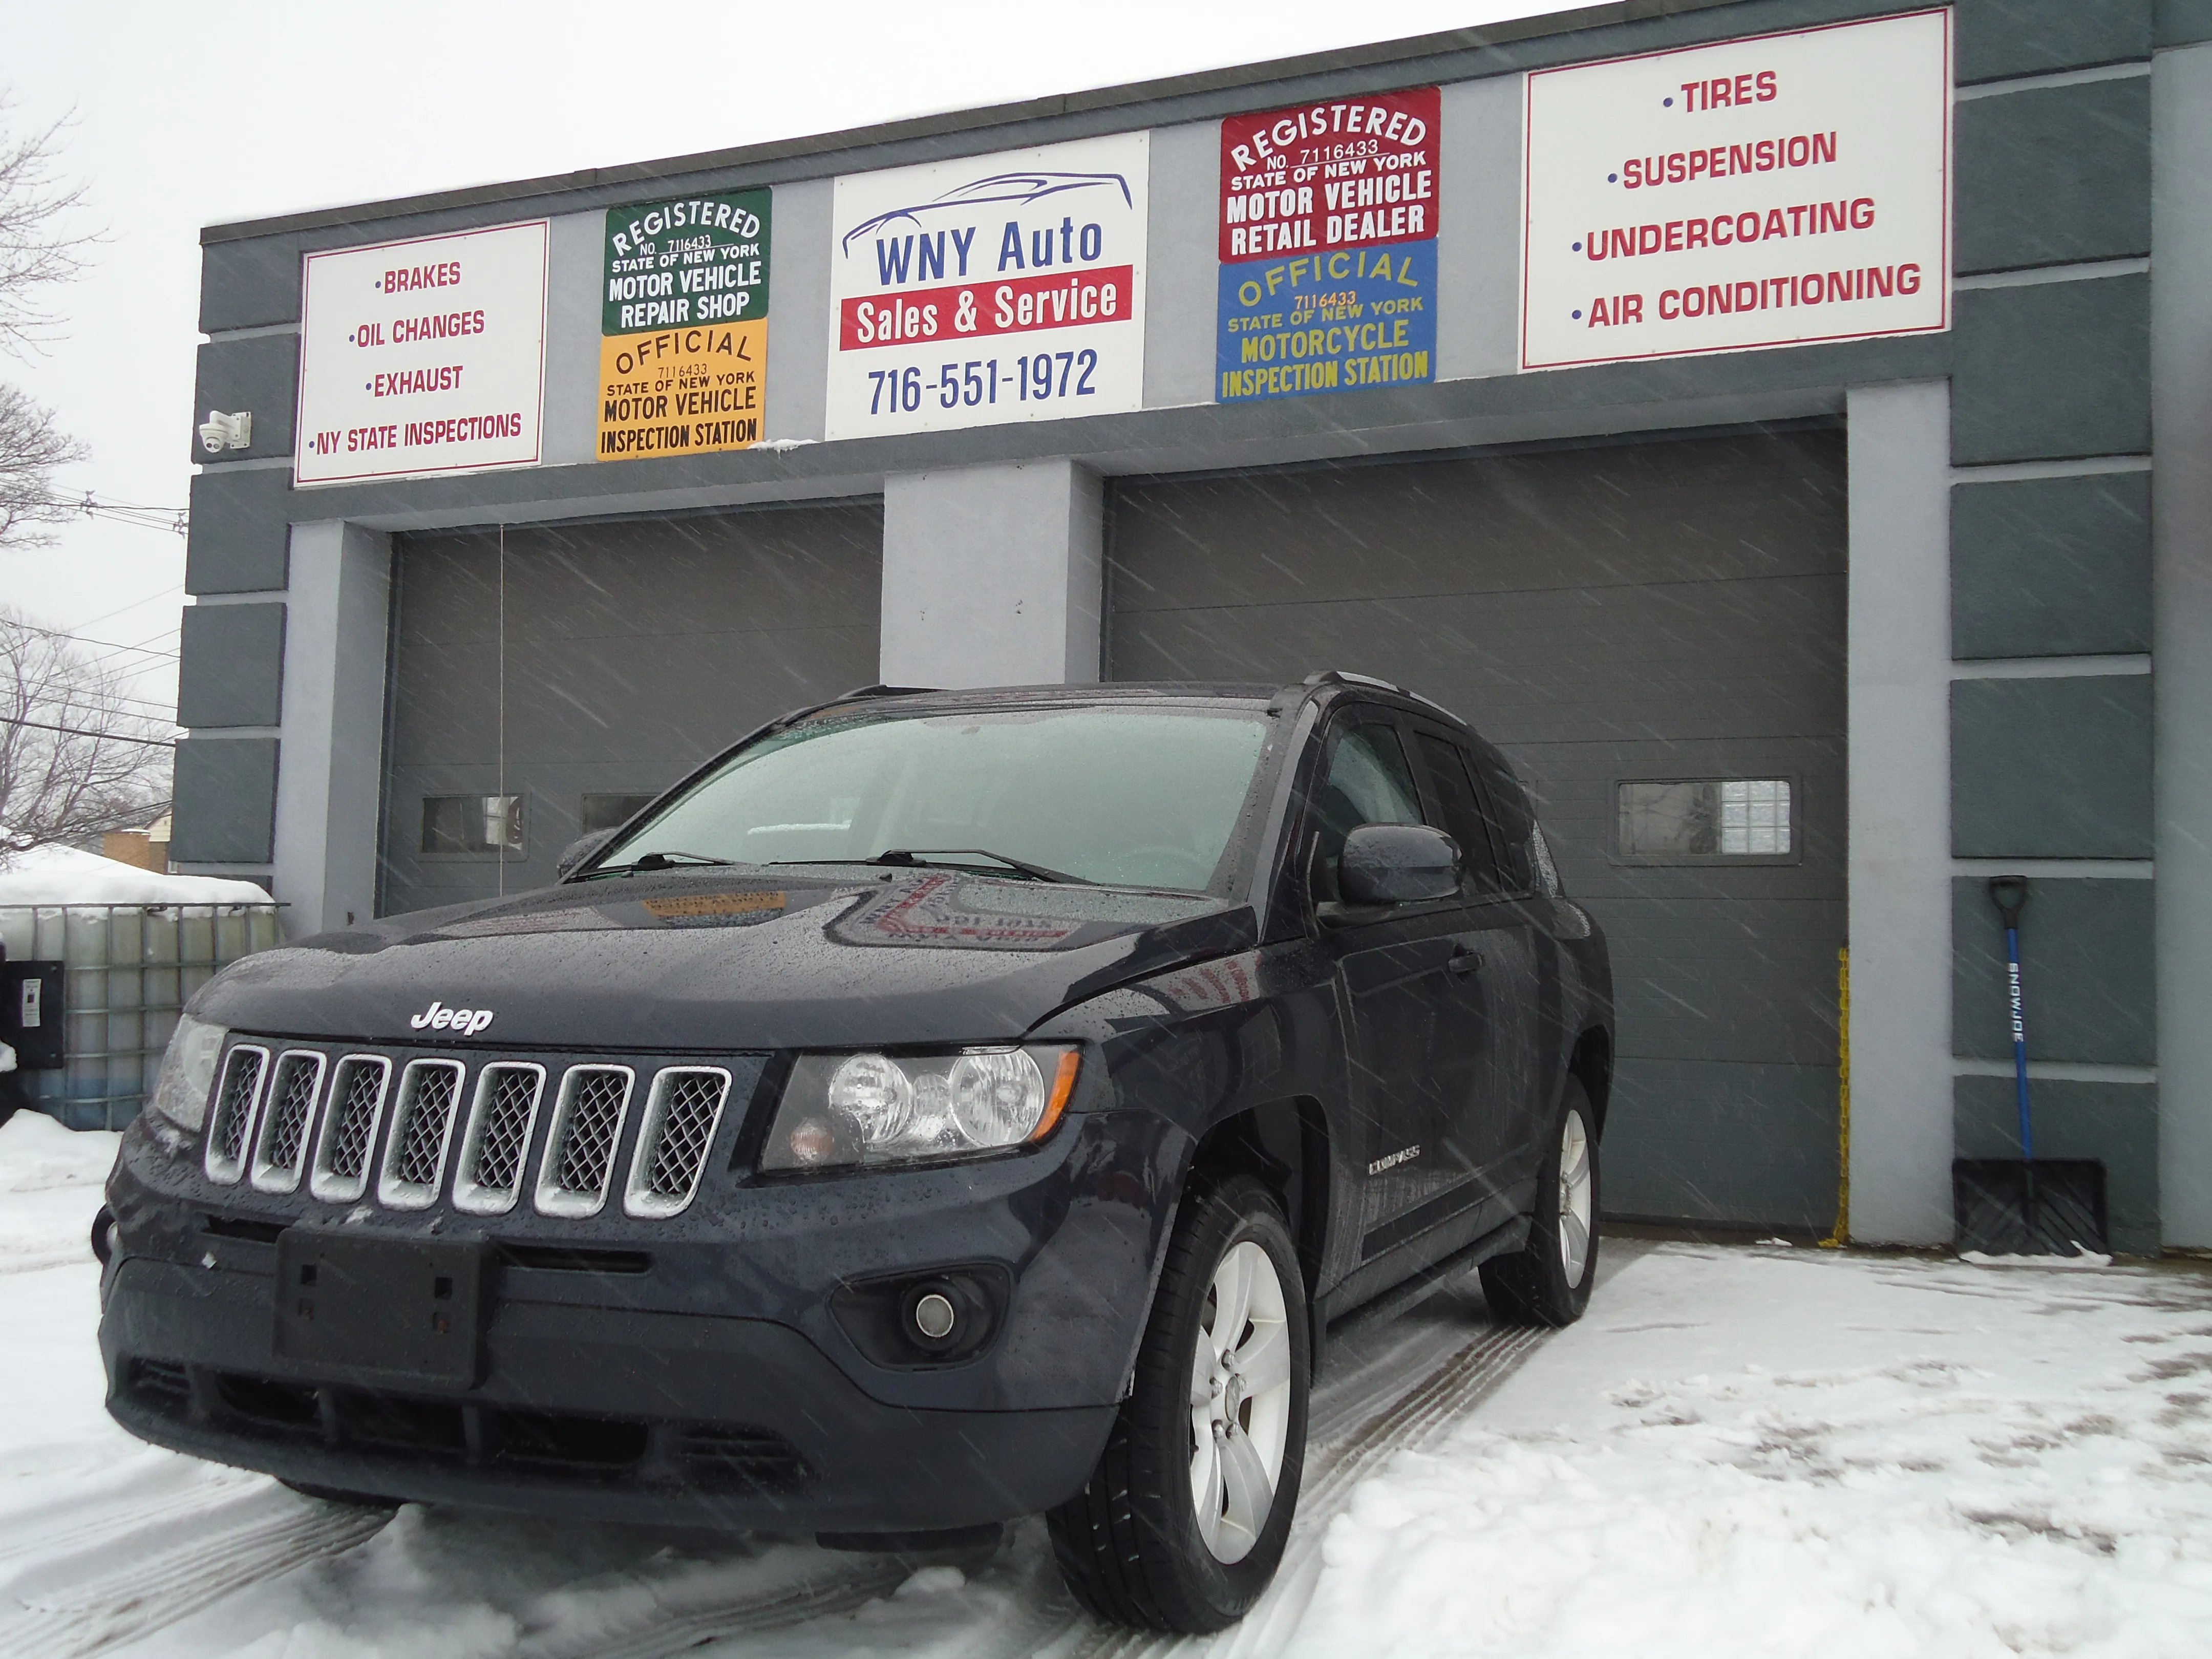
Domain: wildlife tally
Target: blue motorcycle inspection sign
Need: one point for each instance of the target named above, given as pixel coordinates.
(1329, 247)
(1328, 322)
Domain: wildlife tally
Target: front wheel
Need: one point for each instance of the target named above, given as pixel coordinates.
(1549, 1282)
(1182, 1523)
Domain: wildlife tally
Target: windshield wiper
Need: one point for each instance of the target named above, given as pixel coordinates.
(656, 861)
(944, 858)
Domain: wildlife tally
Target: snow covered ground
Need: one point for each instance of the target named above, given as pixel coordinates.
(1757, 1452)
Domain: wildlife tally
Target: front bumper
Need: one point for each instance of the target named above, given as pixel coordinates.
(621, 1414)
(717, 1372)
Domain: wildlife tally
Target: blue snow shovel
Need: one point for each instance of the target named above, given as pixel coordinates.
(2025, 1205)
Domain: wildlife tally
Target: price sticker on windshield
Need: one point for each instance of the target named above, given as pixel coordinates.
(998, 288)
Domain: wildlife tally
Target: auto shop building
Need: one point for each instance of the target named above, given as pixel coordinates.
(1742, 411)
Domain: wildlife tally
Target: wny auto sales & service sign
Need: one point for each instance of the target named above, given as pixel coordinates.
(998, 288)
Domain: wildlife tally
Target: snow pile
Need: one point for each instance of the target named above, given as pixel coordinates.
(1769, 1455)
(50, 1184)
(62, 875)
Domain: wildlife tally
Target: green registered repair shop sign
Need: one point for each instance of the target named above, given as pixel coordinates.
(684, 326)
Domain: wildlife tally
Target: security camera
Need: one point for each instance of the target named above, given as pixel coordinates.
(223, 431)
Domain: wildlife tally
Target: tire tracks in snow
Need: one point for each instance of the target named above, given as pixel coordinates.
(1359, 1431)
(680, 1630)
(115, 1581)
(101, 1583)
(1418, 1417)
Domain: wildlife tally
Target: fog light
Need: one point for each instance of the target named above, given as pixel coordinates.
(933, 1316)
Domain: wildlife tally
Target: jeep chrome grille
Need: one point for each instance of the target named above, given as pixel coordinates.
(346, 1123)
(293, 1087)
(580, 1148)
(422, 1124)
(356, 1104)
(235, 1097)
(489, 1178)
(680, 1118)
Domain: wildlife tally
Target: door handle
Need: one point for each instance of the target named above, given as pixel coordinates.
(1464, 961)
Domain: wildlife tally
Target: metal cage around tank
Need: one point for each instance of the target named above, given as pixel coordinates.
(128, 970)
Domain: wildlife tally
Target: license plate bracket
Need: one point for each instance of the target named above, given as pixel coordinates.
(407, 1308)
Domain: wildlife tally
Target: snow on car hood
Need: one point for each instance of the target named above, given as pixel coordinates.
(715, 960)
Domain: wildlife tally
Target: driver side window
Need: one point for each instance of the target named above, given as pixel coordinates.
(1368, 782)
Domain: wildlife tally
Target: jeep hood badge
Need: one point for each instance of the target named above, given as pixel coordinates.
(439, 1018)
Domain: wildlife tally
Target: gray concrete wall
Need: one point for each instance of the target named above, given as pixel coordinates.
(1478, 229)
(574, 264)
(1181, 287)
(799, 311)
(991, 576)
(339, 602)
(2181, 578)
(1901, 827)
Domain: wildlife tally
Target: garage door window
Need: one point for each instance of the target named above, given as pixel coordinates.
(1694, 820)
(473, 824)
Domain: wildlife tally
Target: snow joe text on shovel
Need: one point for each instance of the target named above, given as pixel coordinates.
(2009, 1206)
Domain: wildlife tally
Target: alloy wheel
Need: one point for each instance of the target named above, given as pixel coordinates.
(1574, 1205)
(1240, 1401)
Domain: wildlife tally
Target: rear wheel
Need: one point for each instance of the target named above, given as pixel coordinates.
(1184, 1521)
(1549, 1282)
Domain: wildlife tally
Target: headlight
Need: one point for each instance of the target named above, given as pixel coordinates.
(873, 1108)
(180, 1092)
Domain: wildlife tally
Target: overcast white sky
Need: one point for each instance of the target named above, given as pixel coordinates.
(184, 115)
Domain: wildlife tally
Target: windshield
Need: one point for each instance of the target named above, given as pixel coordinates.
(1142, 797)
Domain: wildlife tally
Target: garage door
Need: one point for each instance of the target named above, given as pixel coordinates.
(1654, 634)
(633, 651)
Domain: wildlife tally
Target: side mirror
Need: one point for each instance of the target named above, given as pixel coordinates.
(577, 851)
(1397, 863)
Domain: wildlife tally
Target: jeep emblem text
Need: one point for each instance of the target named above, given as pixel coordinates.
(439, 1018)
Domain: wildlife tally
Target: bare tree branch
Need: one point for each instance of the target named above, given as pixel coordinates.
(37, 250)
(31, 447)
(73, 785)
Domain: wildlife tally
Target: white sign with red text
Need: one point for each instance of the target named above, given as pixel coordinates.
(1772, 191)
(998, 288)
(422, 357)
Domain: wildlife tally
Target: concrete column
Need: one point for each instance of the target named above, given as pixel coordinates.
(329, 787)
(992, 575)
(2181, 631)
(1900, 687)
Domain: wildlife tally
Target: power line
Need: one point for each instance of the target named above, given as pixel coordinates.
(79, 731)
(175, 519)
(109, 645)
(158, 593)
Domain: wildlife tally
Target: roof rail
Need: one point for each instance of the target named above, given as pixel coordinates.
(858, 692)
(1346, 677)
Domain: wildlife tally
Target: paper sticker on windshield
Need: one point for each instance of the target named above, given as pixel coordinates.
(715, 910)
(931, 912)
(574, 919)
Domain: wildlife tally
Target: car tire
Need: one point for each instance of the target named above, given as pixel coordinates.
(1549, 1282)
(1132, 1544)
